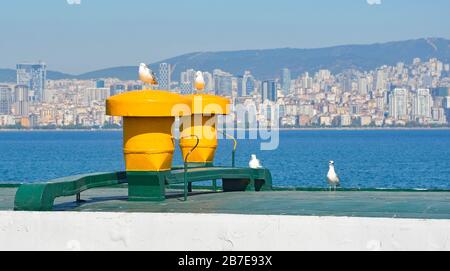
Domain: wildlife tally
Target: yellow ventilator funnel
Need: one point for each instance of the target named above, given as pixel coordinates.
(202, 125)
(147, 126)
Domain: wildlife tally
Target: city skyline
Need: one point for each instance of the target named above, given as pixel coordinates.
(406, 94)
(295, 24)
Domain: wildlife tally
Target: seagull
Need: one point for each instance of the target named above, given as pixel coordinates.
(146, 75)
(199, 81)
(332, 177)
(254, 163)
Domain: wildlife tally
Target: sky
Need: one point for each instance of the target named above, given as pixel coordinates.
(77, 36)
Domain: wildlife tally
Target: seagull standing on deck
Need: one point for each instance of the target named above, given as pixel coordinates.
(199, 81)
(254, 163)
(332, 177)
(146, 75)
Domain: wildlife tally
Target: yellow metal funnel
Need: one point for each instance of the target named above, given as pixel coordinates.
(202, 125)
(147, 126)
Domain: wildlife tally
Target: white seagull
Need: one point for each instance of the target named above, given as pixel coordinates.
(332, 177)
(199, 81)
(146, 75)
(254, 162)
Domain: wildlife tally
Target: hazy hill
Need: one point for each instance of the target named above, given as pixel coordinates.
(268, 63)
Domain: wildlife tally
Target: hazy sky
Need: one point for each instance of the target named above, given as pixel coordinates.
(95, 34)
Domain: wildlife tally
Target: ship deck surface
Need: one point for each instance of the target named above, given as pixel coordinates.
(422, 205)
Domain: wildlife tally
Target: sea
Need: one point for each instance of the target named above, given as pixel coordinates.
(391, 159)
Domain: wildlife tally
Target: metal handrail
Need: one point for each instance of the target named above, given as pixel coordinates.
(233, 154)
(186, 164)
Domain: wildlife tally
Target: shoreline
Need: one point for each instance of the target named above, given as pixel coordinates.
(279, 129)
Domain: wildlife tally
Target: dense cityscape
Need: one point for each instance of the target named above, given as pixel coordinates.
(415, 94)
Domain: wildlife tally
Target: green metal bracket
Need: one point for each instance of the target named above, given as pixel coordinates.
(233, 179)
(41, 196)
(186, 187)
(233, 154)
(147, 186)
(142, 186)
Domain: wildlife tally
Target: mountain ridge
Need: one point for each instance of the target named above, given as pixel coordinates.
(267, 63)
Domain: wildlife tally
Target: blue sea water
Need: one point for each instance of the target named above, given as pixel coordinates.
(364, 158)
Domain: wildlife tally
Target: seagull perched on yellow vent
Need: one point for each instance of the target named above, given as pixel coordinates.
(146, 75)
(199, 81)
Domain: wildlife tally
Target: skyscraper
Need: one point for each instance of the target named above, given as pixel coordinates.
(165, 75)
(21, 100)
(381, 80)
(223, 83)
(187, 80)
(398, 104)
(96, 94)
(34, 76)
(286, 81)
(363, 86)
(269, 90)
(423, 102)
(5, 100)
(100, 84)
(247, 85)
(117, 89)
(209, 82)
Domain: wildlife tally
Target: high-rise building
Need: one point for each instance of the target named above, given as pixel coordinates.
(438, 115)
(423, 102)
(5, 100)
(269, 90)
(286, 81)
(165, 76)
(363, 86)
(446, 103)
(441, 92)
(246, 84)
(132, 87)
(187, 80)
(381, 80)
(96, 94)
(117, 89)
(21, 104)
(398, 104)
(209, 82)
(34, 76)
(186, 88)
(100, 84)
(223, 83)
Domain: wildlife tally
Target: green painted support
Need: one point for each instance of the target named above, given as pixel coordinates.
(194, 165)
(142, 186)
(41, 196)
(234, 179)
(10, 185)
(147, 186)
(150, 186)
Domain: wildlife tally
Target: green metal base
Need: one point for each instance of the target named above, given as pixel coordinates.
(142, 186)
(41, 196)
(194, 165)
(147, 186)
